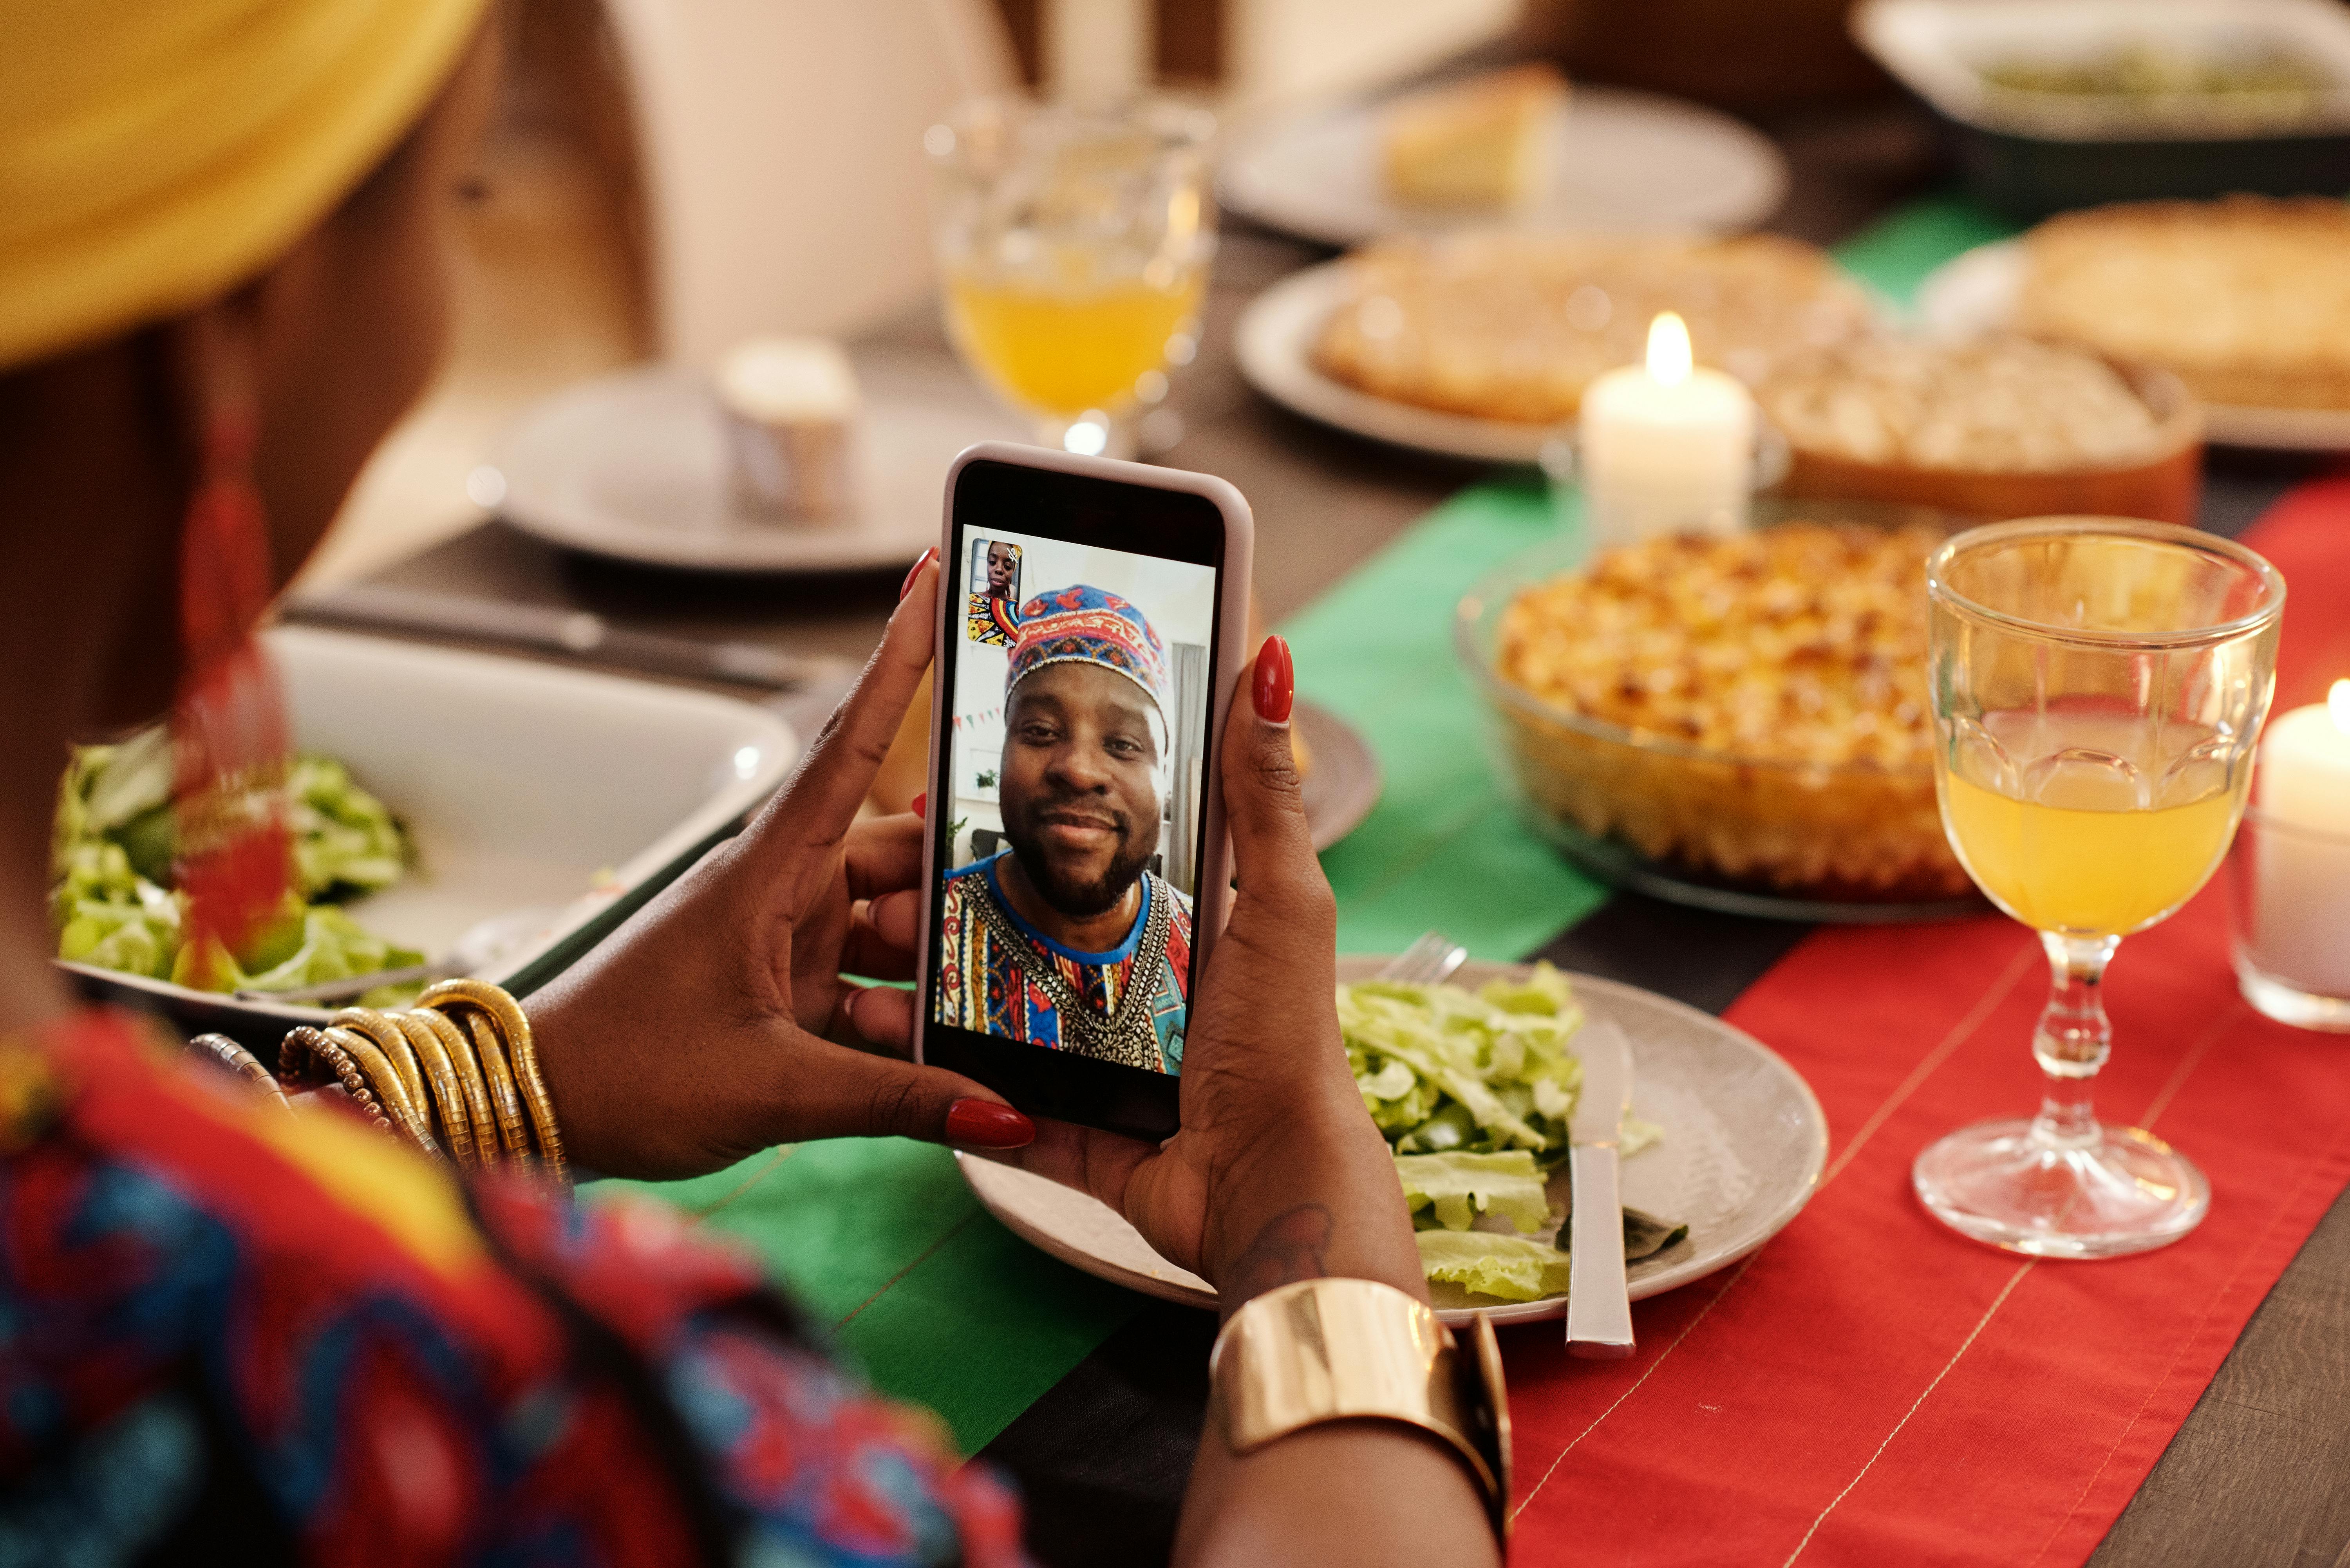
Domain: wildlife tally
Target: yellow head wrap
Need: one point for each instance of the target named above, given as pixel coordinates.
(155, 153)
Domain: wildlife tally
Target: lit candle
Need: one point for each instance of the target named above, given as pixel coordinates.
(2300, 903)
(1666, 447)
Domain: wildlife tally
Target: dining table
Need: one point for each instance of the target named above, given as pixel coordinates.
(2258, 1473)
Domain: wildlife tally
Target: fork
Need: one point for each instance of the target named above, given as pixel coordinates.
(1429, 960)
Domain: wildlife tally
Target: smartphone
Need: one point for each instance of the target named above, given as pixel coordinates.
(1092, 616)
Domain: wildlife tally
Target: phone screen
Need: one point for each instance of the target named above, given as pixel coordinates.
(1068, 810)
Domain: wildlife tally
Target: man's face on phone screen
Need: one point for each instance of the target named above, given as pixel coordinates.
(1080, 784)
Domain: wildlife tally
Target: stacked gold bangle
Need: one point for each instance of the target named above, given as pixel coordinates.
(457, 1075)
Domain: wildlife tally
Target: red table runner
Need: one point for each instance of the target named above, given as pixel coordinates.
(1872, 1388)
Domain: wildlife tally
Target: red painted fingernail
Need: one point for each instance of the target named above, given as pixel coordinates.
(920, 802)
(1276, 681)
(927, 558)
(983, 1124)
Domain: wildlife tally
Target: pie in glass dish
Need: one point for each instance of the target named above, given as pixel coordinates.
(1739, 722)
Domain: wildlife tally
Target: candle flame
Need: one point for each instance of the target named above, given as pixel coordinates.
(1669, 350)
(2337, 702)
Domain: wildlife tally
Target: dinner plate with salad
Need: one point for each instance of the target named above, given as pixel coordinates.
(1472, 1083)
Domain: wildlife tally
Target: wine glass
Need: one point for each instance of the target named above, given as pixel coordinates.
(2098, 687)
(1074, 240)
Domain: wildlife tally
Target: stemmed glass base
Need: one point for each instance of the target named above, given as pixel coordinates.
(2011, 1184)
(2063, 1184)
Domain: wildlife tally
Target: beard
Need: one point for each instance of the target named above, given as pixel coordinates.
(1079, 899)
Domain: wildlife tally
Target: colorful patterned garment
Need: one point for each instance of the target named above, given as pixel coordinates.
(990, 964)
(234, 1335)
(991, 620)
(1085, 625)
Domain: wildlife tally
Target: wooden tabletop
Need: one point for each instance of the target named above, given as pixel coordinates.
(2260, 1472)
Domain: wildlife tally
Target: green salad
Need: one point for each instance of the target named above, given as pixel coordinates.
(1473, 1090)
(113, 906)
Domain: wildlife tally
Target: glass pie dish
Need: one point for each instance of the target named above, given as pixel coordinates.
(1702, 825)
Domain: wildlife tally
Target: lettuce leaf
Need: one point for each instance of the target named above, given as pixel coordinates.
(1510, 1268)
(1444, 1069)
(112, 905)
(1454, 1189)
(344, 839)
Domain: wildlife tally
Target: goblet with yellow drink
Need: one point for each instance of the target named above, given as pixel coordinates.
(2099, 684)
(1074, 241)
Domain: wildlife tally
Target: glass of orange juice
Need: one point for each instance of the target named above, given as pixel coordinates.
(1074, 241)
(2097, 685)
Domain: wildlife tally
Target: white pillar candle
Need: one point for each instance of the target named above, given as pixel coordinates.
(1666, 447)
(2301, 897)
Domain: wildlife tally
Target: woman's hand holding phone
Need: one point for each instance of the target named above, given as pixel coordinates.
(715, 1023)
(710, 1027)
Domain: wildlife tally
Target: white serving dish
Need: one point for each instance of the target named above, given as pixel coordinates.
(1935, 48)
(527, 786)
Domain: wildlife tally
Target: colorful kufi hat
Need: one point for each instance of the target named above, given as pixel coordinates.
(1084, 625)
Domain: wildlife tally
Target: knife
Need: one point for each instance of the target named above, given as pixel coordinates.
(578, 633)
(1598, 1312)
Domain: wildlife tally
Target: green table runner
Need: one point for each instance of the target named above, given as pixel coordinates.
(1443, 849)
(879, 1238)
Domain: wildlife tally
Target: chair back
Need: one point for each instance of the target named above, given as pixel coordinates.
(781, 150)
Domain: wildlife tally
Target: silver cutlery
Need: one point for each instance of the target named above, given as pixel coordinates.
(1429, 960)
(1598, 1310)
(579, 634)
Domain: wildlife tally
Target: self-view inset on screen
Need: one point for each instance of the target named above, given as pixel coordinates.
(1080, 719)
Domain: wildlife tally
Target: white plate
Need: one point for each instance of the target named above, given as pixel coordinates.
(1274, 342)
(634, 465)
(527, 787)
(1978, 292)
(1743, 1146)
(1625, 161)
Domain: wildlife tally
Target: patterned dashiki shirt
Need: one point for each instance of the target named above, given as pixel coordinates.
(235, 1335)
(986, 987)
(992, 620)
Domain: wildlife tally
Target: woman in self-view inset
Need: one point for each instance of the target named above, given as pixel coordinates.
(992, 616)
(238, 1330)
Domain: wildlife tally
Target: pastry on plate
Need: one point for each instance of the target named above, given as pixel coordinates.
(790, 406)
(1998, 426)
(1512, 327)
(1484, 140)
(2247, 299)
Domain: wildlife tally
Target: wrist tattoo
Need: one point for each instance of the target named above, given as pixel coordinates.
(1291, 1246)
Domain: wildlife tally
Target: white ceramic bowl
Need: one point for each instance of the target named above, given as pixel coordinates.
(527, 786)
